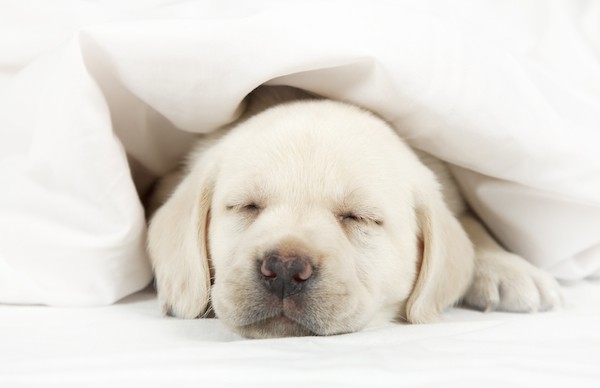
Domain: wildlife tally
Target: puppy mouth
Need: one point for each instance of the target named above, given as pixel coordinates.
(268, 312)
(284, 318)
(257, 312)
(279, 325)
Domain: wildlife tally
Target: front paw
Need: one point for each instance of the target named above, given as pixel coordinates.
(507, 282)
(182, 295)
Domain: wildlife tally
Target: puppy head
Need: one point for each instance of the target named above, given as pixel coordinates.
(320, 220)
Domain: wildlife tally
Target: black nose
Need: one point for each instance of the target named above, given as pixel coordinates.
(286, 275)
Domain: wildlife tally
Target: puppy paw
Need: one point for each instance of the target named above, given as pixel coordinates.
(507, 282)
(182, 295)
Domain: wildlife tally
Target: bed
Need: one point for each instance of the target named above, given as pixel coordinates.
(98, 99)
(130, 344)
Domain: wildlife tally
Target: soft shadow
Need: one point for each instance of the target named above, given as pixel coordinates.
(144, 295)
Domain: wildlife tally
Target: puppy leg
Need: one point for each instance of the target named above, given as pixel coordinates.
(505, 281)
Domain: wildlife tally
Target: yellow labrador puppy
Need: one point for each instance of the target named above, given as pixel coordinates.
(313, 217)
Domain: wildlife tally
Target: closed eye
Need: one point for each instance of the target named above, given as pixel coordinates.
(251, 207)
(245, 207)
(350, 217)
(358, 208)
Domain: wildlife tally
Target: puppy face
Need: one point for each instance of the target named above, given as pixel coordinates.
(303, 233)
(316, 219)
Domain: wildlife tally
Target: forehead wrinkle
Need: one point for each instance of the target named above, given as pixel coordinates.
(357, 199)
(242, 188)
(329, 182)
(298, 176)
(307, 166)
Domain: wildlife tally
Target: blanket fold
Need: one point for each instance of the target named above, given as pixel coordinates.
(89, 125)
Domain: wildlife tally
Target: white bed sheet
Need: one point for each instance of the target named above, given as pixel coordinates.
(130, 344)
(507, 91)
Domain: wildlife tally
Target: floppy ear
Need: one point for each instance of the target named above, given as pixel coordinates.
(447, 260)
(177, 244)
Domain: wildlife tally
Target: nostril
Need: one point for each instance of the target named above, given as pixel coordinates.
(266, 272)
(303, 272)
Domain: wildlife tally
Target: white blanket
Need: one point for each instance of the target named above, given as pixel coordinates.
(129, 344)
(98, 98)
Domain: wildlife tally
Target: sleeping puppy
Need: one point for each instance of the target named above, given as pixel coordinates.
(313, 217)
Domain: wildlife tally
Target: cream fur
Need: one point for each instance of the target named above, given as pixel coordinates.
(304, 165)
